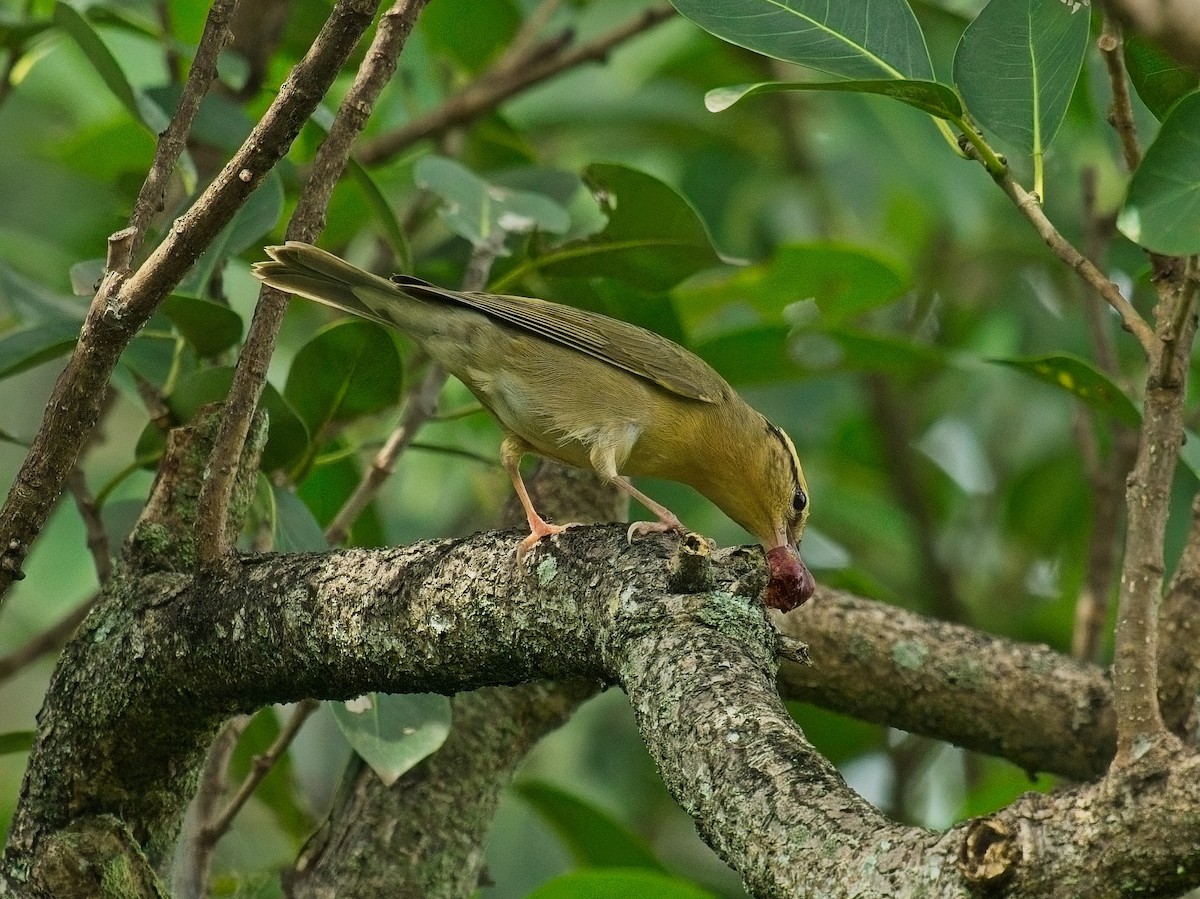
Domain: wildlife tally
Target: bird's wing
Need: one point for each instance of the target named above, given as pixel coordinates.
(636, 350)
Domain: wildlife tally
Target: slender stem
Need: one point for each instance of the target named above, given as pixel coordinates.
(1132, 321)
(307, 222)
(89, 511)
(259, 769)
(173, 141)
(995, 165)
(1120, 114)
(48, 641)
(543, 61)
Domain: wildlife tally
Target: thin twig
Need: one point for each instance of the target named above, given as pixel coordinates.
(123, 305)
(173, 140)
(260, 767)
(518, 48)
(1120, 113)
(1140, 725)
(49, 640)
(97, 539)
(1132, 321)
(543, 61)
(306, 223)
(190, 878)
(420, 404)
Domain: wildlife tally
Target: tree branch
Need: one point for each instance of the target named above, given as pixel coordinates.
(1029, 207)
(121, 306)
(307, 222)
(541, 62)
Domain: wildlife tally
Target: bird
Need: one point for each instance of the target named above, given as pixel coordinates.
(586, 390)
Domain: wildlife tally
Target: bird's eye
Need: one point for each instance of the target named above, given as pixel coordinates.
(799, 501)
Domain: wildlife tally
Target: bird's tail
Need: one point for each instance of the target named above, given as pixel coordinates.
(307, 271)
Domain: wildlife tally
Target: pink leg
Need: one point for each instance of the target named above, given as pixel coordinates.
(511, 451)
(667, 521)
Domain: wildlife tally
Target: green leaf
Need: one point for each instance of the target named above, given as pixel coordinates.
(594, 838)
(287, 436)
(17, 741)
(653, 239)
(393, 733)
(471, 41)
(1080, 378)
(1016, 66)
(937, 99)
(1155, 75)
(845, 40)
(255, 218)
(351, 368)
(22, 350)
(486, 213)
(322, 117)
(139, 105)
(15, 31)
(209, 327)
(1162, 211)
(844, 280)
(295, 529)
(618, 884)
(325, 489)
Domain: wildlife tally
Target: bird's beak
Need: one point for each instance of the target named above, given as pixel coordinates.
(791, 582)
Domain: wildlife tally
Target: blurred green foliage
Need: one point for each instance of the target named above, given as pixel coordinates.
(828, 252)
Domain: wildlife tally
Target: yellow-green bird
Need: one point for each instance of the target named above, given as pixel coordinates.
(590, 391)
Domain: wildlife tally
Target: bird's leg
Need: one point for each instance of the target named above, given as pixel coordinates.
(667, 520)
(604, 460)
(511, 450)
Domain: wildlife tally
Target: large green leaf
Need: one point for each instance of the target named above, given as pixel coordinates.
(865, 40)
(1016, 66)
(471, 41)
(618, 884)
(936, 99)
(1081, 379)
(349, 369)
(209, 327)
(485, 213)
(653, 239)
(255, 218)
(81, 31)
(594, 837)
(844, 280)
(1157, 78)
(393, 733)
(24, 349)
(1162, 211)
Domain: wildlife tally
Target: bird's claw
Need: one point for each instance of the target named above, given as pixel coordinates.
(545, 530)
(641, 528)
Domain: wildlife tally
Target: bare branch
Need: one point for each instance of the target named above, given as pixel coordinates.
(1028, 206)
(307, 222)
(173, 140)
(1120, 114)
(122, 306)
(48, 641)
(97, 539)
(541, 62)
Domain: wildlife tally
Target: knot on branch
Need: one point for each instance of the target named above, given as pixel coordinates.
(989, 853)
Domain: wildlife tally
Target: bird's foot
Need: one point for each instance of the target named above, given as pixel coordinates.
(541, 530)
(662, 526)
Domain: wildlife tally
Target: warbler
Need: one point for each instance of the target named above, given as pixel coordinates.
(590, 391)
